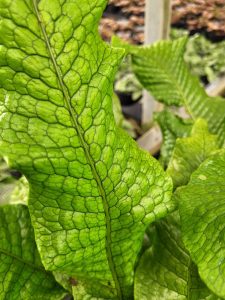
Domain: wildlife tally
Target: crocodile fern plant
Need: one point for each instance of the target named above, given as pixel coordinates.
(191, 241)
(92, 192)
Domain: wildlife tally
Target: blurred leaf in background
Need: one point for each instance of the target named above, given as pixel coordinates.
(205, 58)
(126, 81)
(13, 189)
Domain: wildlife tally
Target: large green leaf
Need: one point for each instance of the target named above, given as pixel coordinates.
(166, 271)
(22, 275)
(92, 190)
(202, 207)
(190, 152)
(161, 70)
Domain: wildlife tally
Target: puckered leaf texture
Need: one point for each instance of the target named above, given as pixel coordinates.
(202, 206)
(166, 271)
(92, 190)
(190, 152)
(22, 275)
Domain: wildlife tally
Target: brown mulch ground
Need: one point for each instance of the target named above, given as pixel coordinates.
(126, 18)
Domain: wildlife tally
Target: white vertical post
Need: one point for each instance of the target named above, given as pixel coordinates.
(157, 27)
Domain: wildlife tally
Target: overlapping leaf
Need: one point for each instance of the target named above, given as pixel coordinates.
(190, 152)
(166, 271)
(202, 207)
(172, 127)
(92, 190)
(161, 70)
(22, 275)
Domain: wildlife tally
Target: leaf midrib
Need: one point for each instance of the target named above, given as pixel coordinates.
(175, 83)
(88, 156)
(39, 268)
